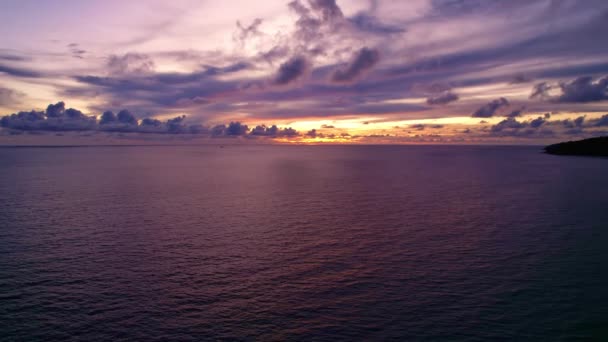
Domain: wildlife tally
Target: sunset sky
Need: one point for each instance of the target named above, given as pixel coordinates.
(453, 71)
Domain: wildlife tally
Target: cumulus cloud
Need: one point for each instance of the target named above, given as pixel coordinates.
(507, 123)
(55, 110)
(218, 130)
(576, 123)
(55, 118)
(542, 127)
(236, 128)
(442, 99)
(126, 117)
(124, 121)
(58, 118)
(364, 60)
(511, 127)
(233, 129)
(537, 122)
(313, 133)
(176, 125)
(273, 131)
(292, 70)
(603, 121)
(107, 118)
(489, 109)
(261, 130)
(150, 122)
(584, 89)
(579, 121)
(23, 120)
(580, 90)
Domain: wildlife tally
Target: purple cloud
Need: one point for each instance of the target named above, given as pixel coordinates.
(273, 131)
(603, 121)
(580, 90)
(368, 23)
(292, 70)
(130, 63)
(442, 99)
(364, 60)
(515, 113)
(489, 109)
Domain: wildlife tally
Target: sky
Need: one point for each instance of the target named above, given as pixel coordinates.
(304, 71)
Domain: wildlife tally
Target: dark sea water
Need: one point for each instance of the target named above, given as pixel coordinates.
(307, 243)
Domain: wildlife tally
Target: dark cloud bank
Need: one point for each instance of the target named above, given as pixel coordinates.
(580, 90)
(541, 126)
(56, 118)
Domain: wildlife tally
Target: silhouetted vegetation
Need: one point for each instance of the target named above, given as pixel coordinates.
(588, 147)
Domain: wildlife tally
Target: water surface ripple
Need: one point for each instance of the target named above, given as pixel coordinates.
(317, 243)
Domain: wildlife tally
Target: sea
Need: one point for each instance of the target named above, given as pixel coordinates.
(302, 243)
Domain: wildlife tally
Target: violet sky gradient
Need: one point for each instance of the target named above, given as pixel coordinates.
(353, 71)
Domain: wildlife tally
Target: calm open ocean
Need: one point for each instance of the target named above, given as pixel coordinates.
(302, 243)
